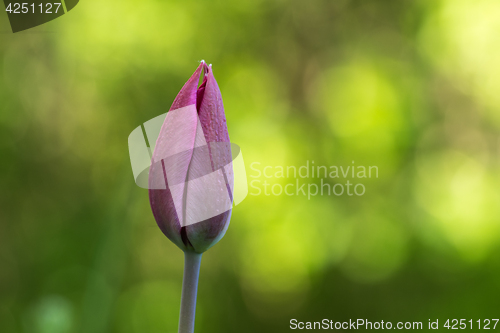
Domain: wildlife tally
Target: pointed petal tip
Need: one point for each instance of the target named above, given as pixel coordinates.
(203, 64)
(188, 94)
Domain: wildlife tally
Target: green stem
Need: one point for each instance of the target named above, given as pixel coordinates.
(192, 263)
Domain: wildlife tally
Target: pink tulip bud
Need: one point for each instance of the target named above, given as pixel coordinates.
(191, 175)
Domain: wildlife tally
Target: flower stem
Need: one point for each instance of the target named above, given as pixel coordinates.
(192, 263)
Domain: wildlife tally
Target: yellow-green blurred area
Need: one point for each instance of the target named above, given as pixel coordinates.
(412, 87)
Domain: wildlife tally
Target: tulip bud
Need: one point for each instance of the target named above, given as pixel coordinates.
(191, 175)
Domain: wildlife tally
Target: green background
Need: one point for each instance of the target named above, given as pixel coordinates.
(409, 86)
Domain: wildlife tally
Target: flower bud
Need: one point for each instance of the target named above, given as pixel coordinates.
(191, 175)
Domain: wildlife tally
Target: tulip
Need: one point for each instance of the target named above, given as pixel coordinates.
(191, 179)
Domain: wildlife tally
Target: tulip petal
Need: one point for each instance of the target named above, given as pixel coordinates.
(213, 123)
(177, 137)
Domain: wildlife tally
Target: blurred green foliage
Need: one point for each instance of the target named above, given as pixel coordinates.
(409, 86)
